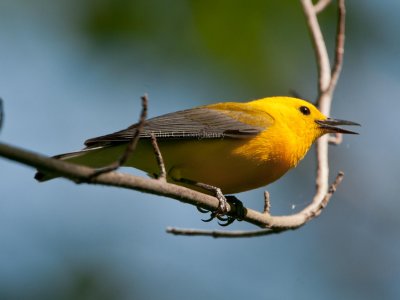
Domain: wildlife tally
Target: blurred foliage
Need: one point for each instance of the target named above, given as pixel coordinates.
(255, 41)
(77, 280)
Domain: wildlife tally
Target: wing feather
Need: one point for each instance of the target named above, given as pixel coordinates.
(195, 123)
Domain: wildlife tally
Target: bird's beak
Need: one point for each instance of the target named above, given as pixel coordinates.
(330, 125)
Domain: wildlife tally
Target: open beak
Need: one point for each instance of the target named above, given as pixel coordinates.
(330, 125)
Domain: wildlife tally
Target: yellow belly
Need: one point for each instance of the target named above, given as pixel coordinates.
(214, 162)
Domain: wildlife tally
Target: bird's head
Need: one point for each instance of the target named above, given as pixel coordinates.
(304, 119)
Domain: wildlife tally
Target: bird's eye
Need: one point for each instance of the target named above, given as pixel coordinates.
(304, 110)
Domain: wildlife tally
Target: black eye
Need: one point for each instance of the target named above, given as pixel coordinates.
(304, 110)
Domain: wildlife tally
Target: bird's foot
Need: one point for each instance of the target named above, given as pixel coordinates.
(222, 209)
(221, 212)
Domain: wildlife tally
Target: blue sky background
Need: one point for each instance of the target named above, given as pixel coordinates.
(71, 70)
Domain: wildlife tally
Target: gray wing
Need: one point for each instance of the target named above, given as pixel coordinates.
(196, 123)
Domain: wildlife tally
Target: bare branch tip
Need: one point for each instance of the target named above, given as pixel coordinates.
(143, 115)
(336, 139)
(339, 178)
(334, 185)
(144, 97)
(267, 203)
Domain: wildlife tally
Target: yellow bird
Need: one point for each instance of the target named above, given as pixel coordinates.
(233, 146)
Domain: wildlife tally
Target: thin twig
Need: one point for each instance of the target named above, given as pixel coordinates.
(335, 139)
(331, 191)
(267, 203)
(132, 144)
(340, 39)
(1, 114)
(219, 233)
(160, 160)
(321, 5)
(129, 148)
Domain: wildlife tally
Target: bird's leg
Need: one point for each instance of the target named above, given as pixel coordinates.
(222, 206)
(220, 212)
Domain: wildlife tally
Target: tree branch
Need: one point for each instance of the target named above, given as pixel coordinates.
(152, 186)
(321, 53)
(326, 86)
(277, 224)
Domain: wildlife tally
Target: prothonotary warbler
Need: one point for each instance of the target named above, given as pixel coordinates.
(233, 146)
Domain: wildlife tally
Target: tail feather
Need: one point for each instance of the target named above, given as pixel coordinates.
(93, 157)
(42, 176)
